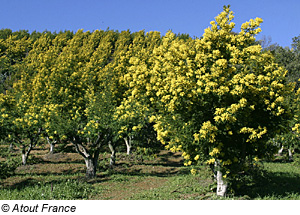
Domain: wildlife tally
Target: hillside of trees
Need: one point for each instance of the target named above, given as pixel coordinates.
(224, 100)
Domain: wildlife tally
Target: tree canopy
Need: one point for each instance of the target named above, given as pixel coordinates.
(218, 99)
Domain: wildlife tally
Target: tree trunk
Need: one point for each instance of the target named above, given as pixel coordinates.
(113, 152)
(280, 151)
(91, 159)
(221, 183)
(52, 145)
(11, 147)
(290, 154)
(51, 151)
(128, 144)
(24, 159)
(25, 154)
(91, 165)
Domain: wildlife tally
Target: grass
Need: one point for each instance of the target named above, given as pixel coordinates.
(160, 177)
(33, 189)
(281, 181)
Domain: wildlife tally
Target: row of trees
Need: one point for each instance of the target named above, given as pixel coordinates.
(217, 99)
(67, 87)
(289, 58)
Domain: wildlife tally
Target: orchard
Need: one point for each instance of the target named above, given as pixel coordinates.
(220, 100)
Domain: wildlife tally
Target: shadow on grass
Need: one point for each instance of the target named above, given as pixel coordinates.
(157, 173)
(24, 183)
(163, 166)
(31, 182)
(56, 158)
(70, 172)
(271, 185)
(168, 159)
(32, 189)
(146, 169)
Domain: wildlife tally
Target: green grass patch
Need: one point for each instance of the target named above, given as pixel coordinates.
(35, 190)
(159, 177)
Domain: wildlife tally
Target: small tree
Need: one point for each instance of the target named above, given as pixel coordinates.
(21, 124)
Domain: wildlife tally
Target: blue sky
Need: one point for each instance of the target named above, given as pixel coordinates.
(281, 18)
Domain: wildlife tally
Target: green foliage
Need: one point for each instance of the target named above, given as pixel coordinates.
(289, 58)
(288, 139)
(64, 190)
(296, 159)
(144, 152)
(8, 167)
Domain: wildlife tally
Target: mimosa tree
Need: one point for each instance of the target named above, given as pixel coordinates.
(132, 115)
(72, 86)
(218, 99)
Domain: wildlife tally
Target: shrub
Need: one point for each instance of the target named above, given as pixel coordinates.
(8, 167)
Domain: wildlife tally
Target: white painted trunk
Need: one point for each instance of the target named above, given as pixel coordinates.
(52, 145)
(112, 157)
(51, 151)
(221, 185)
(24, 158)
(280, 151)
(11, 147)
(290, 154)
(25, 154)
(221, 182)
(128, 144)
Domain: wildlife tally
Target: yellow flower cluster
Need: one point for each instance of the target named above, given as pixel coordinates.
(214, 152)
(207, 131)
(227, 115)
(211, 161)
(296, 128)
(254, 133)
(193, 171)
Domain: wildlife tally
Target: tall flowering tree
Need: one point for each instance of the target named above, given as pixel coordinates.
(21, 122)
(75, 92)
(132, 113)
(73, 88)
(218, 99)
